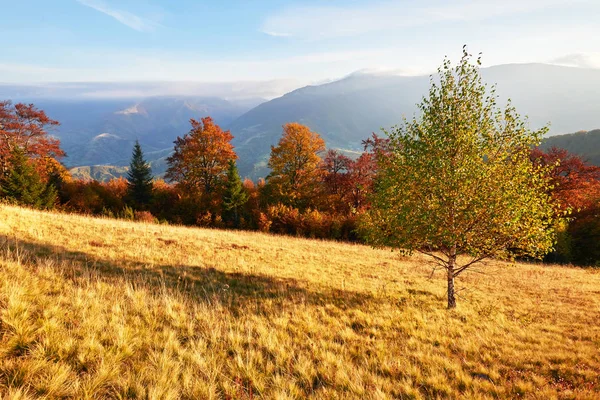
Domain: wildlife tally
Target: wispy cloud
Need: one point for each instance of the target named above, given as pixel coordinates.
(582, 60)
(127, 18)
(157, 65)
(317, 22)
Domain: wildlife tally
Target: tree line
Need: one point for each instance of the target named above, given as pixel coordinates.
(463, 179)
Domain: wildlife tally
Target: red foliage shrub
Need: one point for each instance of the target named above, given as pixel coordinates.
(144, 216)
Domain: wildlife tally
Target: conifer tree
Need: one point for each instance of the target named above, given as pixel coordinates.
(139, 179)
(22, 183)
(235, 195)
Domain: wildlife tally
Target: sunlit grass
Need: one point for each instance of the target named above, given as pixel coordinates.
(98, 308)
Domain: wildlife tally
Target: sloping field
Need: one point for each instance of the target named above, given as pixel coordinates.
(99, 308)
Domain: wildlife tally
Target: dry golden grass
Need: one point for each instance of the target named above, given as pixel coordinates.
(98, 308)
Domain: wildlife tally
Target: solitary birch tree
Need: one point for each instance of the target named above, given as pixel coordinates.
(457, 183)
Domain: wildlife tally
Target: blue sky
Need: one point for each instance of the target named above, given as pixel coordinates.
(287, 41)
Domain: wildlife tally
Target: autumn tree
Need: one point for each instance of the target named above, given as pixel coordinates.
(361, 173)
(335, 177)
(23, 185)
(50, 168)
(575, 185)
(201, 157)
(139, 178)
(26, 127)
(335, 164)
(296, 175)
(234, 195)
(458, 184)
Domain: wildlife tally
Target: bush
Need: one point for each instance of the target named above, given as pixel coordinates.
(584, 232)
(145, 216)
(310, 223)
(264, 223)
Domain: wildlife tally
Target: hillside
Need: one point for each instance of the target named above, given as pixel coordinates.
(584, 144)
(101, 173)
(345, 112)
(98, 308)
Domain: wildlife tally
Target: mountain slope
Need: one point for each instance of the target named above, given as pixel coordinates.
(104, 131)
(584, 144)
(99, 308)
(347, 111)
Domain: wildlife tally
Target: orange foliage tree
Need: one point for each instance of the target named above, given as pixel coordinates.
(201, 157)
(26, 127)
(296, 175)
(576, 184)
(576, 188)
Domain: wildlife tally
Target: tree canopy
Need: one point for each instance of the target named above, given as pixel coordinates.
(201, 157)
(22, 183)
(295, 166)
(26, 127)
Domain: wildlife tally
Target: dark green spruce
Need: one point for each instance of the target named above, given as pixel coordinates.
(235, 196)
(23, 185)
(139, 179)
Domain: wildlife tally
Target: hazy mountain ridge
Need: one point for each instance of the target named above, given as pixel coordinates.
(102, 132)
(347, 111)
(344, 112)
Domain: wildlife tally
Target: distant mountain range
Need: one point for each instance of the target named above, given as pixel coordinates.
(102, 132)
(347, 111)
(344, 112)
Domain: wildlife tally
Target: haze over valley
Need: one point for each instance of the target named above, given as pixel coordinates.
(100, 122)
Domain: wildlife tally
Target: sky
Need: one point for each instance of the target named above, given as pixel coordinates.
(284, 42)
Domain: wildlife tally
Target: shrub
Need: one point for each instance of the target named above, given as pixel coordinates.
(145, 216)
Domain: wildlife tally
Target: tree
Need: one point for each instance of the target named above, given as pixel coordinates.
(575, 186)
(361, 173)
(139, 178)
(235, 195)
(335, 165)
(22, 183)
(574, 183)
(26, 127)
(335, 179)
(295, 173)
(201, 157)
(458, 180)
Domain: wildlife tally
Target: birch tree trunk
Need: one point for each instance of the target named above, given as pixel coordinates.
(450, 269)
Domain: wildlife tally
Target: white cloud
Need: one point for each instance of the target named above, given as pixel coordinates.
(318, 22)
(125, 17)
(154, 65)
(582, 60)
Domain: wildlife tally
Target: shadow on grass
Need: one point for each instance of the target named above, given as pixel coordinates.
(237, 291)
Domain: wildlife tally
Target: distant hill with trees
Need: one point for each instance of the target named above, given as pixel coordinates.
(585, 144)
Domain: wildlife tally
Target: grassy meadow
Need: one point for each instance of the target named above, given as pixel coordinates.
(99, 308)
